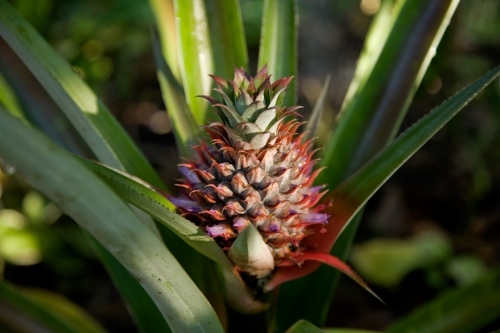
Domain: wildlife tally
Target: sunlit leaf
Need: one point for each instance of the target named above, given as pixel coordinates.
(9, 100)
(185, 128)
(278, 44)
(102, 132)
(386, 261)
(154, 203)
(164, 13)
(96, 208)
(195, 56)
(226, 36)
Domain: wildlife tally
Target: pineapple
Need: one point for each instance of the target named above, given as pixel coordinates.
(251, 188)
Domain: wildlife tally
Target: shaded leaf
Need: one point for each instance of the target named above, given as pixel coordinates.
(462, 310)
(367, 123)
(313, 122)
(164, 13)
(350, 196)
(303, 326)
(50, 311)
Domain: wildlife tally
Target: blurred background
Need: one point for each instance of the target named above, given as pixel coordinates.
(434, 226)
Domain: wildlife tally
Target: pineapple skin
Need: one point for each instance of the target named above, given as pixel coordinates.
(257, 172)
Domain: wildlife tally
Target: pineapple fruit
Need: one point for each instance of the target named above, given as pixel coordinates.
(251, 188)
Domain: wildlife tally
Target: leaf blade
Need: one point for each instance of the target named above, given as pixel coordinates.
(358, 188)
(186, 130)
(97, 209)
(154, 203)
(278, 44)
(195, 56)
(452, 311)
(100, 129)
(227, 37)
(50, 310)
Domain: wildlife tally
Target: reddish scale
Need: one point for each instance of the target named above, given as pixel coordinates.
(230, 187)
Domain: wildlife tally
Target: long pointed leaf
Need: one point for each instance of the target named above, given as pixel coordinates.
(278, 44)
(349, 197)
(85, 198)
(98, 127)
(195, 56)
(374, 44)
(36, 104)
(352, 194)
(146, 198)
(185, 128)
(50, 311)
(303, 326)
(464, 310)
(164, 13)
(94, 122)
(313, 122)
(227, 37)
(146, 315)
(371, 119)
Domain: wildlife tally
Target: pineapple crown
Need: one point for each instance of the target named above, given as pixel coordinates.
(252, 106)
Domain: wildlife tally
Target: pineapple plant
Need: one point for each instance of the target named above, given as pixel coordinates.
(256, 175)
(250, 190)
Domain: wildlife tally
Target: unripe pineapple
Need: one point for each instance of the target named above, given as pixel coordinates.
(255, 176)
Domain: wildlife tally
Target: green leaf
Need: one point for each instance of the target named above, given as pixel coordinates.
(386, 261)
(303, 326)
(313, 122)
(346, 330)
(96, 208)
(50, 311)
(374, 42)
(143, 196)
(102, 132)
(164, 13)
(371, 119)
(185, 128)
(227, 37)
(98, 127)
(144, 311)
(9, 100)
(42, 112)
(351, 195)
(462, 310)
(278, 44)
(195, 56)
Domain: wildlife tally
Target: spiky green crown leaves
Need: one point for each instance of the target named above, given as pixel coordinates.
(252, 106)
